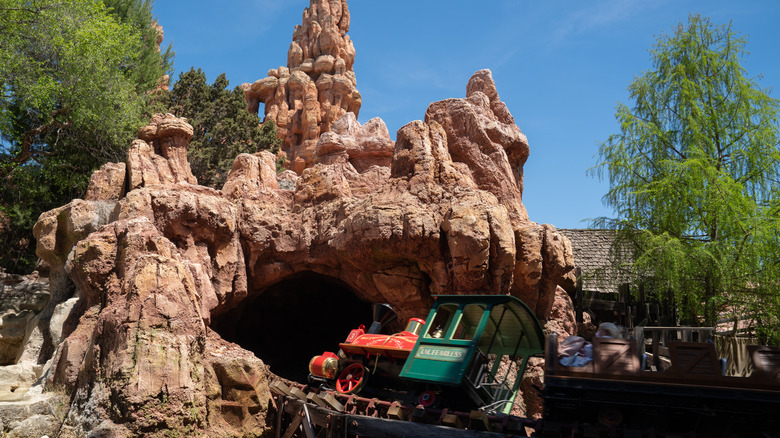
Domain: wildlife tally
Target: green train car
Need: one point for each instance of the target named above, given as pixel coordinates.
(470, 352)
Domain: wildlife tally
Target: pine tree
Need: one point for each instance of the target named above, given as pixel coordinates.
(223, 128)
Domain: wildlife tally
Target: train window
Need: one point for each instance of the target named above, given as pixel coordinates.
(441, 321)
(469, 320)
(503, 332)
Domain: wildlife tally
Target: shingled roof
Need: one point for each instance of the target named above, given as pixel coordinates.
(591, 250)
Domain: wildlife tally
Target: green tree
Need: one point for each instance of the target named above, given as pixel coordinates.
(64, 83)
(693, 178)
(150, 64)
(223, 128)
(71, 100)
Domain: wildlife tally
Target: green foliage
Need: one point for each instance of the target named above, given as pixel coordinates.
(150, 64)
(63, 84)
(223, 128)
(73, 96)
(694, 179)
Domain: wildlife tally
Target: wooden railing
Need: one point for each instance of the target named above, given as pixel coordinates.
(661, 336)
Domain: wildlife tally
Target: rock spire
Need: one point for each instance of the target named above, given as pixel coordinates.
(318, 85)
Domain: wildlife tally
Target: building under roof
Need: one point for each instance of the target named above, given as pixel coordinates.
(602, 281)
(591, 249)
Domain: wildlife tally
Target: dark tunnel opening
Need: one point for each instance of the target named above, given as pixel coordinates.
(294, 320)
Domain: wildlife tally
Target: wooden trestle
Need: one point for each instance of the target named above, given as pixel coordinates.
(302, 411)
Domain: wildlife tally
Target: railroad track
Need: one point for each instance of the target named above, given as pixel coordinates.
(305, 411)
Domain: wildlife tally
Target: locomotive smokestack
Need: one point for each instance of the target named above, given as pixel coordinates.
(383, 315)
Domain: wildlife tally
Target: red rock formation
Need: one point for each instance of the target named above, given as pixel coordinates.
(159, 156)
(437, 212)
(316, 88)
(482, 134)
(157, 261)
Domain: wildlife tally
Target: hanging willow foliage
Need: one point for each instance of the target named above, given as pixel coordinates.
(693, 178)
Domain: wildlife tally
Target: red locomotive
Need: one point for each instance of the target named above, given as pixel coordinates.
(470, 351)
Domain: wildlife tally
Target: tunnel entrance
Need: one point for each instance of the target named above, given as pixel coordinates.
(294, 320)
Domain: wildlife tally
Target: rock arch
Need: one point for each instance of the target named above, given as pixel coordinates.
(293, 320)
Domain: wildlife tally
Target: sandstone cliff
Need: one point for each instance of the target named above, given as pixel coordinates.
(157, 259)
(159, 274)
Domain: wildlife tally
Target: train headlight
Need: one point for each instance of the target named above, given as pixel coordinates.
(326, 365)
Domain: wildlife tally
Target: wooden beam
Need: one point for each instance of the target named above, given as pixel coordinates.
(314, 398)
(280, 388)
(298, 393)
(478, 420)
(396, 412)
(451, 420)
(293, 426)
(383, 428)
(333, 403)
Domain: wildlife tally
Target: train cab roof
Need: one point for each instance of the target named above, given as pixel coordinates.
(459, 327)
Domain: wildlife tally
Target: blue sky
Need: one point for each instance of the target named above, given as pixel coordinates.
(561, 66)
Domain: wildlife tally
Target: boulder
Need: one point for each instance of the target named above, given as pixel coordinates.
(107, 183)
(22, 299)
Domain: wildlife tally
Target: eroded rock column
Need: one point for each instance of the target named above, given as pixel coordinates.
(316, 87)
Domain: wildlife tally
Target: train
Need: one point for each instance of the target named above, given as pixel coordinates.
(471, 353)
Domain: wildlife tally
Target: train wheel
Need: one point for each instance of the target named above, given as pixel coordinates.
(352, 379)
(427, 399)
